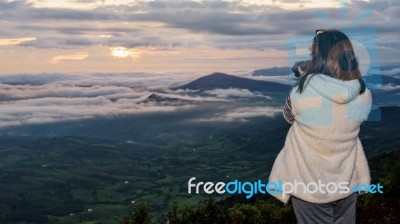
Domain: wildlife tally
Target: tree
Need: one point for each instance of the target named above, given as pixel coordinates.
(139, 215)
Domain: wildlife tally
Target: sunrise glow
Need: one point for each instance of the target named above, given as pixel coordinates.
(69, 57)
(123, 52)
(130, 35)
(15, 41)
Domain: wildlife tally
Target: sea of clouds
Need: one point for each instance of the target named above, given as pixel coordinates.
(40, 98)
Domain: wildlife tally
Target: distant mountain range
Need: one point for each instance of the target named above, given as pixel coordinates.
(158, 98)
(384, 88)
(165, 100)
(275, 71)
(382, 79)
(225, 81)
(206, 102)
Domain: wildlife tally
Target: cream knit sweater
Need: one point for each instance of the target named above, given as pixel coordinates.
(323, 144)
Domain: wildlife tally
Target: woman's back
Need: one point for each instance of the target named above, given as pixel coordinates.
(322, 162)
(323, 144)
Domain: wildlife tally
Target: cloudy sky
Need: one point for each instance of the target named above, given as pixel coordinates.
(71, 36)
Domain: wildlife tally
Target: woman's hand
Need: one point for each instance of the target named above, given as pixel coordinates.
(301, 72)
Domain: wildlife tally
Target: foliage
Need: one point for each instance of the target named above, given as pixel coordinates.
(371, 208)
(139, 215)
(383, 208)
(211, 212)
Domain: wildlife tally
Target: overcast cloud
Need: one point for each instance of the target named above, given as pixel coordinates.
(157, 27)
(226, 24)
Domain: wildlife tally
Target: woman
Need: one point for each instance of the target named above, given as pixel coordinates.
(322, 151)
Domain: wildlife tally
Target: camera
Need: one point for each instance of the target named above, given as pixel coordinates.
(303, 65)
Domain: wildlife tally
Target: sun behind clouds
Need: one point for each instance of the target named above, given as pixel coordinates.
(123, 52)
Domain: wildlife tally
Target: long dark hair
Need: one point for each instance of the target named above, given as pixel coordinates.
(332, 55)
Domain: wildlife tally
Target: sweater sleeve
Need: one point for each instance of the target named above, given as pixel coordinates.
(287, 111)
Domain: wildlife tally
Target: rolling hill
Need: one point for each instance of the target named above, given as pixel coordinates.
(225, 81)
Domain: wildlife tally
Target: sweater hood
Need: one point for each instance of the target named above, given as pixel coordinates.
(336, 90)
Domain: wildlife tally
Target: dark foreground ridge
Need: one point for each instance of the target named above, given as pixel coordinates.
(371, 208)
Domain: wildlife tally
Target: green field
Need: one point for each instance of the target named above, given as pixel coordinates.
(74, 179)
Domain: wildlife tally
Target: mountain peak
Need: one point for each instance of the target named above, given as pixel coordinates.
(218, 74)
(274, 71)
(218, 80)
